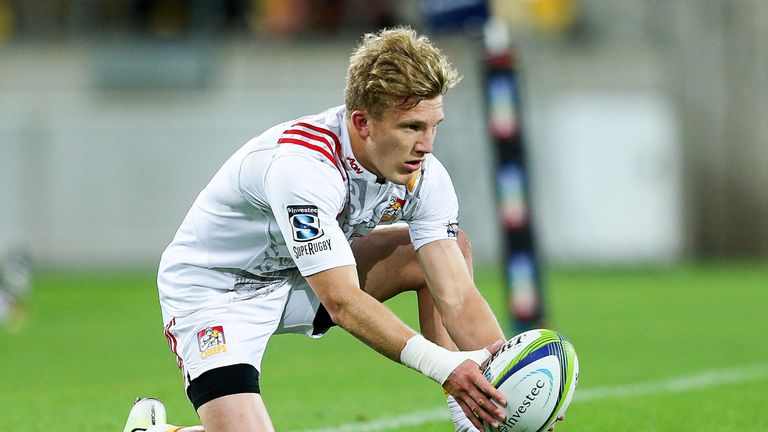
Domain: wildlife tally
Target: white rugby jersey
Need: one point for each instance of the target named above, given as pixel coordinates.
(293, 197)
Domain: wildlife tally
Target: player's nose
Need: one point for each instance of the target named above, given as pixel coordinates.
(424, 145)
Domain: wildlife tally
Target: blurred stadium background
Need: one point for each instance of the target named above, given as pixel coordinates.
(646, 120)
(646, 126)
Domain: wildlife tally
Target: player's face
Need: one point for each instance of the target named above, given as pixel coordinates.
(400, 140)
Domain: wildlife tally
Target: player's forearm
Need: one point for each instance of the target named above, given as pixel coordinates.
(373, 324)
(456, 297)
(379, 328)
(359, 313)
(485, 328)
(376, 326)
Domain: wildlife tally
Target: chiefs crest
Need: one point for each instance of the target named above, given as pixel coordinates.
(394, 205)
(211, 341)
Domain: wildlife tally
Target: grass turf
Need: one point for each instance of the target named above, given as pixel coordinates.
(93, 340)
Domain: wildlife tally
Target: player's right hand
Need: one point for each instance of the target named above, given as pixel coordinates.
(474, 393)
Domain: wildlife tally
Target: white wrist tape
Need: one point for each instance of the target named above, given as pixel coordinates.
(435, 361)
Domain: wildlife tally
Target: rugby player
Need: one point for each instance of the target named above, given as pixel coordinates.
(316, 222)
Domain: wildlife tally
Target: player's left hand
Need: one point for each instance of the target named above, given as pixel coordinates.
(474, 394)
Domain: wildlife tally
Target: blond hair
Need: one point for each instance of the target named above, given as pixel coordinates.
(396, 68)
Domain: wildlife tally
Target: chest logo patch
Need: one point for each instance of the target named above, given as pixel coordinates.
(393, 207)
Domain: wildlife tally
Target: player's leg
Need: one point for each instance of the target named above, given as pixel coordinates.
(227, 399)
(236, 412)
(219, 350)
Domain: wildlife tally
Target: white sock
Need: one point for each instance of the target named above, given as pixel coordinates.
(460, 420)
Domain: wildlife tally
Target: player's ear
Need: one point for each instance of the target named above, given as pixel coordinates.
(359, 120)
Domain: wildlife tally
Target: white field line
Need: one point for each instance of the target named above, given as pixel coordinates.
(675, 385)
(671, 385)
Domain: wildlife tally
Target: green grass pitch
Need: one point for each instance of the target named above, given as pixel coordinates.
(93, 341)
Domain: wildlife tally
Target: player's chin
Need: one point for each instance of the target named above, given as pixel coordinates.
(401, 178)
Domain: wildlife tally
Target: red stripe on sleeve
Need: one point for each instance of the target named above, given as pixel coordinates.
(306, 134)
(320, 130)
(333, 137)
(309, 146)
(319, 149)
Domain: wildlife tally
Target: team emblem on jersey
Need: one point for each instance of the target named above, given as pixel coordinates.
(453, 229)
(305, 222)
(211, 341)
(390, 212)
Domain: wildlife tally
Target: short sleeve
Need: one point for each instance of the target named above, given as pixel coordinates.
(437, 216)
(306, 195)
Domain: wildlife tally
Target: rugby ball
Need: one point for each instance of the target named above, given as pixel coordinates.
(537, 371)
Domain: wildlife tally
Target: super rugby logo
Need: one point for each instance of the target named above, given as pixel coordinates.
(304, 222)
(312, 248)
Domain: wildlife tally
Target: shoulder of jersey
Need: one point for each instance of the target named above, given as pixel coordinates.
(314, 138)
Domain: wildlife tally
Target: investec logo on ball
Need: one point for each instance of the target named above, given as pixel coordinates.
(533, 391)
(305, 222)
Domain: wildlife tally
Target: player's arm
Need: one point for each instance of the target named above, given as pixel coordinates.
(359, 313)
(376, 326)
(459, 303)
(433, 229)
(456, 296)
(305, 195)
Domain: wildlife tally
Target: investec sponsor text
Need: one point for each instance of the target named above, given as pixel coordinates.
(517, 415)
